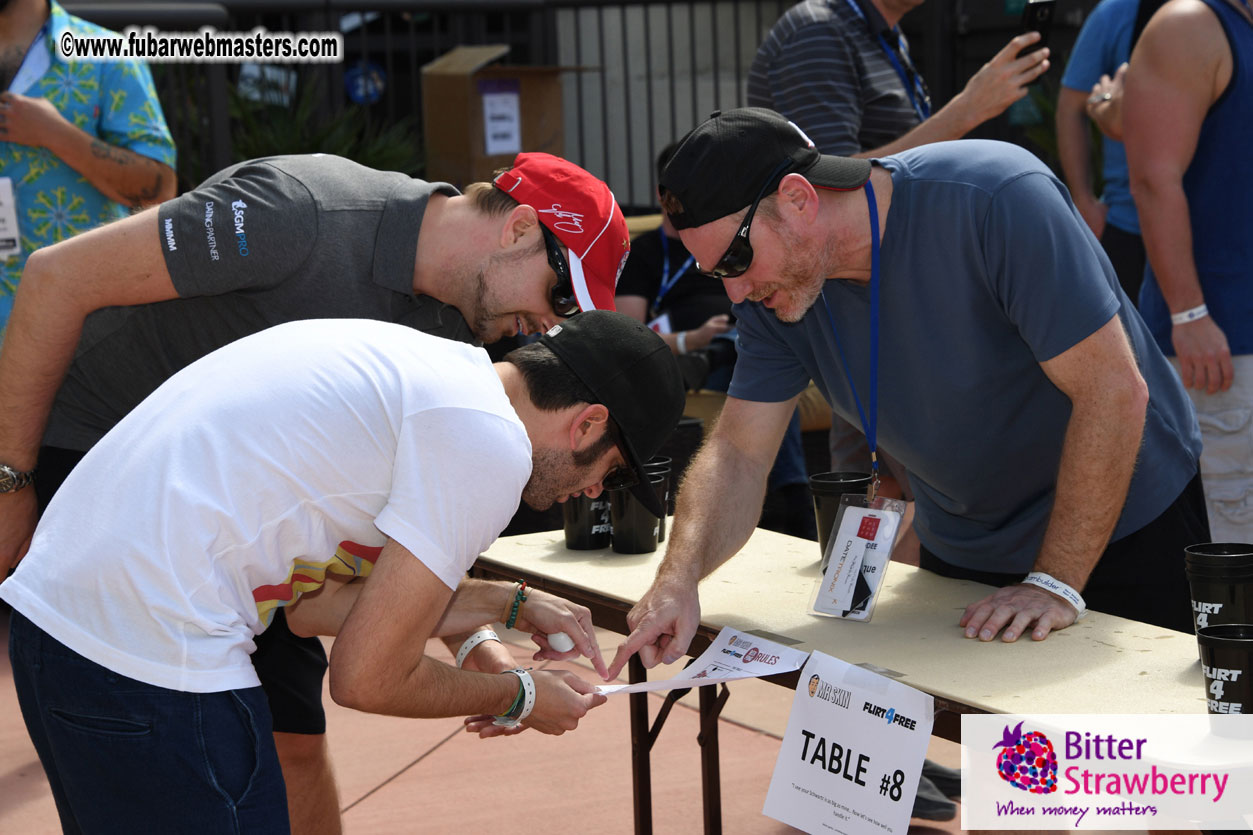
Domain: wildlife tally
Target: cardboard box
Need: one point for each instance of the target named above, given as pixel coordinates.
(477, 117)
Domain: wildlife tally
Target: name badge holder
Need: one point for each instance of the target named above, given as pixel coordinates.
(857, 555)
(10, 232)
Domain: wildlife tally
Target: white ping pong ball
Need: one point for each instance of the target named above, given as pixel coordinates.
(561, 642)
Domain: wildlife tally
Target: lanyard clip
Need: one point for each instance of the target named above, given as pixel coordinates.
(873, 489)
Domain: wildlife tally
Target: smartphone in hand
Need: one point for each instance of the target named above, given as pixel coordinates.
(1037, 16)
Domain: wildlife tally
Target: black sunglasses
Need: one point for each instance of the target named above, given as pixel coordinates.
(619, 478)
(565, 304)
(739, 255)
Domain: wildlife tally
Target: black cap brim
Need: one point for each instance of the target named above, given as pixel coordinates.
(840, 173)
(642, 489)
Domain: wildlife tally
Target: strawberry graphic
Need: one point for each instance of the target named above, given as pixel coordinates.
(1027, 761)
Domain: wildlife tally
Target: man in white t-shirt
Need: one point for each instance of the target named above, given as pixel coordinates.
(280, 471)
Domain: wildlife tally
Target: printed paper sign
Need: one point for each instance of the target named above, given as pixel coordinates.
(858, 551)
(10, 239)
(502, 119)
(852, 753)
(732, 655)
(1107, 771)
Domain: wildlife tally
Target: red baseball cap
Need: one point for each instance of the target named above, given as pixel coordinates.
(581, 212)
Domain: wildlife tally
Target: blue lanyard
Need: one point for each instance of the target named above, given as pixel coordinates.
(666, 281)
(869, 423)
(914, 87)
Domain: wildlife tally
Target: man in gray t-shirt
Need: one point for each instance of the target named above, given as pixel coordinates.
(103, 319)
(1051, 450)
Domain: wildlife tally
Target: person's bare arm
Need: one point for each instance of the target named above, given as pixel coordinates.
(998, 84)
(1180, 67)
(1074, 148)
(118, 264)
(129, 178)
(634, 306)
(718, 507)
(1108, 401)
(378, 663)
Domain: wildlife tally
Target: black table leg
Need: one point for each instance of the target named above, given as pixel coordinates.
(641, 770)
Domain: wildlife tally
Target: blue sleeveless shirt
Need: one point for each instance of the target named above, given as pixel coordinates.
(1219, 186)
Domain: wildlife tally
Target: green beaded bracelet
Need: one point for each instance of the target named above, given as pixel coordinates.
(519, 598)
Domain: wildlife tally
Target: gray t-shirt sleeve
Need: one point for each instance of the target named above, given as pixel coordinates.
(1044, 268)
(246, 231)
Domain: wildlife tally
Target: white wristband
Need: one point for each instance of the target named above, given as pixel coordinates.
(680, 342)
(472, 642)
(1186, 316)
(528, 699)
(1049, 583)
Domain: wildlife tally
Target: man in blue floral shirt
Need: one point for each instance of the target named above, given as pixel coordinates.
(81, 143)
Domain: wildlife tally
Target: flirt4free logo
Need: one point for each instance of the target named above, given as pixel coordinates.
(1027, 761)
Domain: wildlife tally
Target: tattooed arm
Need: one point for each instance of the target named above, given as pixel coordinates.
(129, 178)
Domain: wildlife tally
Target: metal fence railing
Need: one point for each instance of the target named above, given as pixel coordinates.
(637, 74)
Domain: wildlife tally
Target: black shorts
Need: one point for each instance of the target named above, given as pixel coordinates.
(291, 671)
(290, 668)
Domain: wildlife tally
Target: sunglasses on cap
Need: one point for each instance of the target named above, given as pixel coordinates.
(739, 255)
(565, 304)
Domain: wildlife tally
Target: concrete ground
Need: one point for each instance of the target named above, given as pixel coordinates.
(405, 775)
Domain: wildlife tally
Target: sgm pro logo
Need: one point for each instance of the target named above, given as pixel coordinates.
(241, 237)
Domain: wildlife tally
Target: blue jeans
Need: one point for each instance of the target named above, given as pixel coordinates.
(124, 756)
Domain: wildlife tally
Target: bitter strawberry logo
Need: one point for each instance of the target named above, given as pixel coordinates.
(1027, 761)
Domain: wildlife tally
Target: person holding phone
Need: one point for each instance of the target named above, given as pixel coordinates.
(842, 71)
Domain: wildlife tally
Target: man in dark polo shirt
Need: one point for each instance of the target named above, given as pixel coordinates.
(103, 319)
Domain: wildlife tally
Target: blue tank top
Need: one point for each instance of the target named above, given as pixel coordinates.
(1219, 186)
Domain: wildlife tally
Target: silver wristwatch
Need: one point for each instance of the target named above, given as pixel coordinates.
(12, 480)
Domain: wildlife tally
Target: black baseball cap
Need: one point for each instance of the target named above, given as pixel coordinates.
(723, 164)
(632, 372)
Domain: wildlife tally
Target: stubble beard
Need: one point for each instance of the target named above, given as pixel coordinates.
(555, 474)
(482, 320)
(549, 470)
(489, 323)
(803, 275)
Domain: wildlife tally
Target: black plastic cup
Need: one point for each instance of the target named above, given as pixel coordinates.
(1227, 662)
(827, 489)
(586, 523)
(681, 446)
(660, 465)
(1220, 579)
(635, 527)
